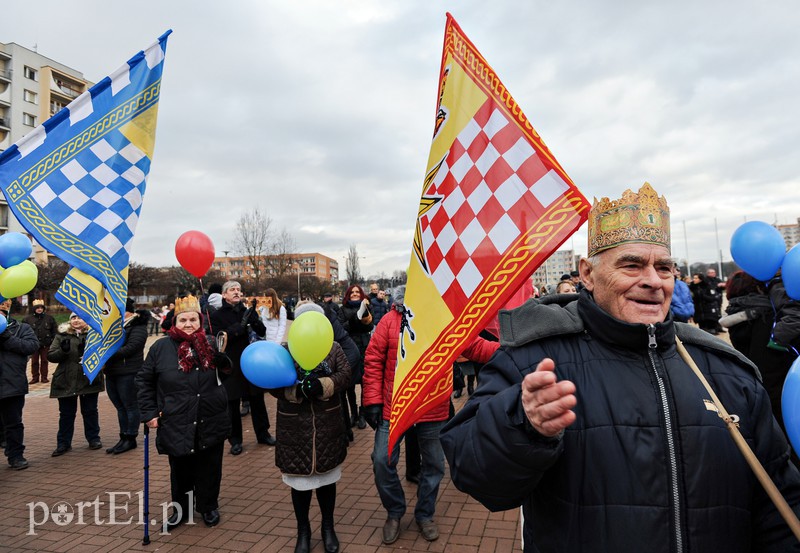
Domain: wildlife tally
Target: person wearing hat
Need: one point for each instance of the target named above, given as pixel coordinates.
(71, 387)
(17, 342)
(311, 443)
(180, 394)
(120, 371)
(44, 325)
(591, 421)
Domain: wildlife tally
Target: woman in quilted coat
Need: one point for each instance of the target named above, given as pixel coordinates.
(311, 441)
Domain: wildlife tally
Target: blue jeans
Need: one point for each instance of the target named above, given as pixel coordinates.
(68, 408)
(387, 481)
(122, 393)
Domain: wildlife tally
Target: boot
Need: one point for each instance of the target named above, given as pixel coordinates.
(116, 445)
(128, 443)
(329, 539)
(303, 540)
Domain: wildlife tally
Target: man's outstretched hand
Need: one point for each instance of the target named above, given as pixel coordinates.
(547, 402)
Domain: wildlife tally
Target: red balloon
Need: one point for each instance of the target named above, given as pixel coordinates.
(195, 252)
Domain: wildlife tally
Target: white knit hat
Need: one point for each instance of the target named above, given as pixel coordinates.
(305, 306)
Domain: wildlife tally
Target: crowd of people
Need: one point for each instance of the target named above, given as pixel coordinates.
(582, 408)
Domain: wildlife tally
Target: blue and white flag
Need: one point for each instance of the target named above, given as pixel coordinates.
(76, 184)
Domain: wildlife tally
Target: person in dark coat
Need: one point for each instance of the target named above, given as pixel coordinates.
(235, 320)
(706, 304)
(356, 318)
(311, 443)
(349, 347)
(588, 417)
(180, 394)
(377, 303)
(71, 387)
(120, 371)
(17, 342)
(750, 322)
(44, 325)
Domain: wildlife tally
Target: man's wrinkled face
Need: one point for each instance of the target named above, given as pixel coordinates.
(77, 323)
(711, 273)
(233, 295)
(373, 288)
(632, 282)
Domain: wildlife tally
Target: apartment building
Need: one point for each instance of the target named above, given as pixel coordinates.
(32, 89)
(790, 233)
(304, 264)
(561, 262)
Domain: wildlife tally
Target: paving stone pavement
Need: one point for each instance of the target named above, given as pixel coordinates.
(255, 505)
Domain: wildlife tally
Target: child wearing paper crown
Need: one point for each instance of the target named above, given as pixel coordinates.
(311, 441)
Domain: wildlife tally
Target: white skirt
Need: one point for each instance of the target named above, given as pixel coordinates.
(303, 482)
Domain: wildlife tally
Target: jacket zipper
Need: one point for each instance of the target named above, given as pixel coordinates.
(673, 461)
(313, 439)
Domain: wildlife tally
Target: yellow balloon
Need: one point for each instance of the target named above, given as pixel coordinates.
(310, 339)
(18, 279)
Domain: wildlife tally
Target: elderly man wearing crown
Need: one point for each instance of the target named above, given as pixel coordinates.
(590, 420)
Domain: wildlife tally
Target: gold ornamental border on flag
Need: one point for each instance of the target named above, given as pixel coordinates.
(473, 63)
(524, 251)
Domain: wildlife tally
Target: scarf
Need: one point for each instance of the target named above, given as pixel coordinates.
(193, 350)
(354, 303)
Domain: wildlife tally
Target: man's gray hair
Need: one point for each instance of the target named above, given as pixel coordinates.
(230, 284)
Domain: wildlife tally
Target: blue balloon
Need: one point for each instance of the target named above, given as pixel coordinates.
(790, 272)
(758, 248)
(790, 404)
(3, 323)
(14, 249)
(268, 365)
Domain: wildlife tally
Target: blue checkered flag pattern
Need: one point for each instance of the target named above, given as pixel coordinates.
(76, 183)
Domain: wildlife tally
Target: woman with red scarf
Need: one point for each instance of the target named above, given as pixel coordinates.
(180, 394)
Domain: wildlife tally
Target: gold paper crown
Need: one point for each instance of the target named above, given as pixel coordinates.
(189, 303)
(37, 303)
(641, 218)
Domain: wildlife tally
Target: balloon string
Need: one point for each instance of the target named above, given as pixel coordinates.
(775, 323)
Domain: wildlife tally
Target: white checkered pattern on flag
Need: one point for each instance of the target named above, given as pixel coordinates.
(97, 195)
(492, 185)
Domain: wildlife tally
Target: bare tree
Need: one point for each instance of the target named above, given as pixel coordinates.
(280, 261)
(252, 240)
(353, 271)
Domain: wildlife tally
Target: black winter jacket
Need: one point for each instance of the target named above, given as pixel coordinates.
(647, 466)
(311, 434)
(228, 318)
(17, 342)
(68, 380)
(44, 326)
(129, 357)
(193, 406)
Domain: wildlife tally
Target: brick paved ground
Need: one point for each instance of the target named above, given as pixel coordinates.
(255, 505)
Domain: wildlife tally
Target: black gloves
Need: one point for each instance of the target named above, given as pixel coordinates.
(81, 346)
(373, 414)
(65, 345)
(222, 361)
(310, 387)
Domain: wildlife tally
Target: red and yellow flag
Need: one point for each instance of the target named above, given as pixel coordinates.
(495, 204)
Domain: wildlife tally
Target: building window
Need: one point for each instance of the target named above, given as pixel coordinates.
(28, 119)
(56, 106)
(30, 96)
(31, 73)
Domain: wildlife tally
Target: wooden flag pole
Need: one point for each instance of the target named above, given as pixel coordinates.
(767, 483)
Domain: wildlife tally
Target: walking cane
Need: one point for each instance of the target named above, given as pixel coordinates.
(146, 538)
(766, 482)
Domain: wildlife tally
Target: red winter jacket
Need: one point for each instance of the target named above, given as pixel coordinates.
(380, 361)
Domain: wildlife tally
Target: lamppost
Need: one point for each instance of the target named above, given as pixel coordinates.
(297, 264)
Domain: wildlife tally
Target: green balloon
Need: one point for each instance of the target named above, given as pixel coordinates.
(310, 339)
(18, 279)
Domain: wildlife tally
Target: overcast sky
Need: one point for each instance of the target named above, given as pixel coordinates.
(321, 112)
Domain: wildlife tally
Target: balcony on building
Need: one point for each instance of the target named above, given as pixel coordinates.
(65, 87)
